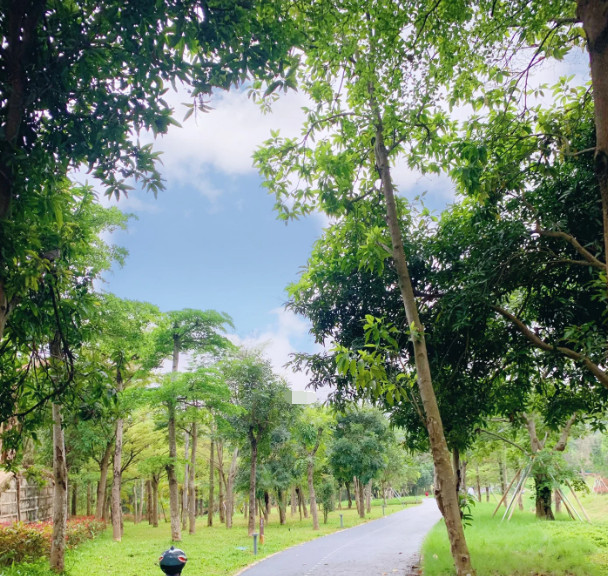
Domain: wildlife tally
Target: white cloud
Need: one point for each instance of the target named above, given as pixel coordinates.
(277, 343)
(225, 138)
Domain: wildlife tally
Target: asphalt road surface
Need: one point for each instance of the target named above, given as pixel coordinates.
(388, 546)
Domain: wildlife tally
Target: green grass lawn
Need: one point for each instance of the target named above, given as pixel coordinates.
(526, 546)
(211, 551)
(519, 547)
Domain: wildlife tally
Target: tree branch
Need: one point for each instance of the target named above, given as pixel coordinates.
(538, 342)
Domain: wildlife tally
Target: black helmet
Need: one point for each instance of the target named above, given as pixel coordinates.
(172, 561)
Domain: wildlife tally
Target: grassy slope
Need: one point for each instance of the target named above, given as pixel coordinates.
(525, 546)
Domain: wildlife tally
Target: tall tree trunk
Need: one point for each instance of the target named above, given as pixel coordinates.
(368, 502)
(211, 483)
(60, 494)
(103, 481)
(149, 501)
(74, 510)
(221, 503)
(301, 502)
(252, 477)
(311, 487)
(503, 474)
(230, 488)
(89, 498)
(348, 495)
(185, 498)
(294, 501)
(266, 507)
(117, 478)
(282, 504)
(312, 495)
(594, 16)
(445, 486)
(176, 534)
(191, 481)
(361, 497)
(154, 509)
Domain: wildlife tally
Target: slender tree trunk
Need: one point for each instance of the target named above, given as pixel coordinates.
(74, 510)
(221, 503)
(503, 475)
(310, 475)
(117, 478)
(368, 502)
(558, 502)
(103, 481)
(478, 483)
(211, 483)
(149, 501)
(252, 477)
(191, 481)
(361, 497)
(294, 501)
(282, 504)
(445, 486)
(176, 534)
(301, 502)
(154, 509)
(230, 488)
(312, 495)
(60, 494)
(348, 495)
(185, 499)
(266, 507)
(89, 498)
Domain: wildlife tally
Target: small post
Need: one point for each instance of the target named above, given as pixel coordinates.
(261, 530)
(341, 520)
(255, 543)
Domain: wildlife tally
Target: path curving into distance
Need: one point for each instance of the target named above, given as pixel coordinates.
(389, 545)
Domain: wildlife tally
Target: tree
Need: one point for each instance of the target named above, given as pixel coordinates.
(373, 87)
(125, 342)
(309, 432)
(193, 331)
(80, 80)
(359, 448)
(260, 395)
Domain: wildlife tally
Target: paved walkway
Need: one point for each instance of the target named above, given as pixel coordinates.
(389, 545)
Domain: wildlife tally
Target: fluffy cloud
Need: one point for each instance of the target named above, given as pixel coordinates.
(279, 342)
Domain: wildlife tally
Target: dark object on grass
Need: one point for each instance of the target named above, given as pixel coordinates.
(172, 561)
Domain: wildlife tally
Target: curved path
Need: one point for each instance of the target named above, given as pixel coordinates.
(389, 545)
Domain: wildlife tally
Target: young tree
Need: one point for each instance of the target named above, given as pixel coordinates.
(194, 331)
(261, 397)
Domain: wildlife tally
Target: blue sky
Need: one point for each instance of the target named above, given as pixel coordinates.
(211, 240)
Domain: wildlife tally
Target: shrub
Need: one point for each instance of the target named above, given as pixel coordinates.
(22, 542)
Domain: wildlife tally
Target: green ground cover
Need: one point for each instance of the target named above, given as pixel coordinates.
(212, 551)
(526, 546)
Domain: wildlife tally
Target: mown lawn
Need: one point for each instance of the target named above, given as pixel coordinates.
(526, 546)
